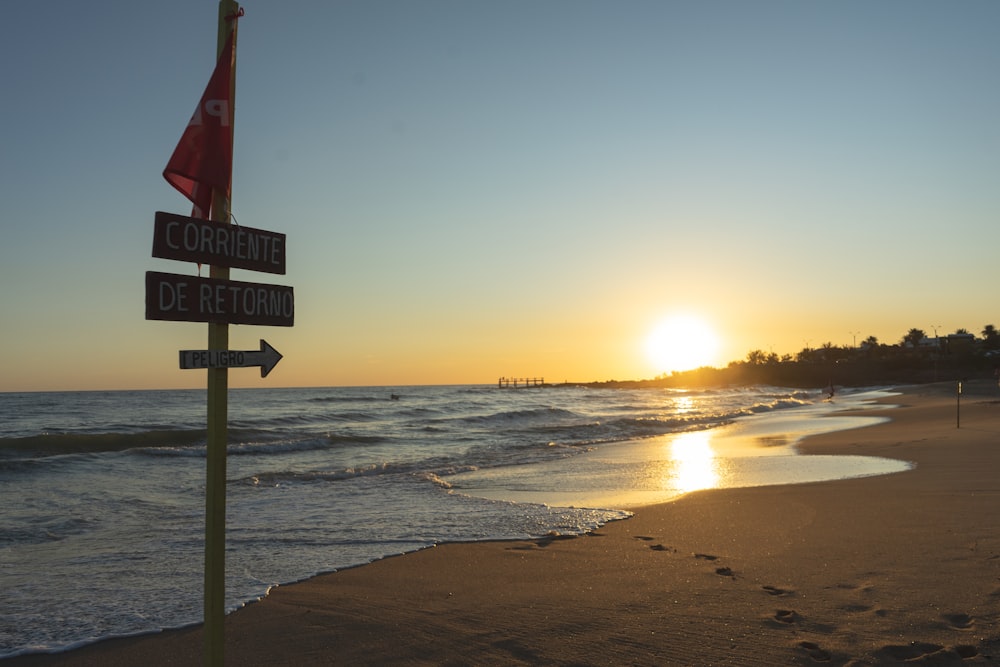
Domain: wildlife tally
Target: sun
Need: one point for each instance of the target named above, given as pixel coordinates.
(681, 343)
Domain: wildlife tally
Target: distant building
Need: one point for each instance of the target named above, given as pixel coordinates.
(958, 343)
(926, 343)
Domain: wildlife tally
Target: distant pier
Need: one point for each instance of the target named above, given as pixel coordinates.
(519, 383)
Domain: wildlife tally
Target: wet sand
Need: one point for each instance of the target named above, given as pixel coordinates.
(884, 570)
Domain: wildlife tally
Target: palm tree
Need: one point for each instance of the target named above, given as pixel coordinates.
(914, 336)
(991, 337)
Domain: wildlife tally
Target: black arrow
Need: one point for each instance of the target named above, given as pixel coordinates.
(267, 358)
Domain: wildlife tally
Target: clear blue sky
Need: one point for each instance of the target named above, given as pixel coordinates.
(476, 189)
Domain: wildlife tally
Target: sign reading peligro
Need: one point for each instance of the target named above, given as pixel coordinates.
(217, 243)
(179, 298)
(267, 358)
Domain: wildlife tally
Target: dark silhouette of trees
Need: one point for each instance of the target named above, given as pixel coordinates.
(991, 337)
(914, 336)
(760, 358)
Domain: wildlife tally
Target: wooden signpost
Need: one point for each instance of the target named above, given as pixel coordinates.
(203, 160)
(220, 302)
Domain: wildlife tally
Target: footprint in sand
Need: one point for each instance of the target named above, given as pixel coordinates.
(722, 571)
(959, 621)
(815, 652)
(777, 592)
(904, 652)
(926, 653)
(785, 616)
(655, 547)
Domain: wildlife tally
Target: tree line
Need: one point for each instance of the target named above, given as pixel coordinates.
(915, 358)
(915, 343)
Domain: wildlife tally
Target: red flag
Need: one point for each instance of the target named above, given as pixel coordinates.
(203, 159)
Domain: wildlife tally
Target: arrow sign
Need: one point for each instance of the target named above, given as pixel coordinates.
(267, 358)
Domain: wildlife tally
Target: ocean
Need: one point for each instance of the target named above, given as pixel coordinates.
(102, 493)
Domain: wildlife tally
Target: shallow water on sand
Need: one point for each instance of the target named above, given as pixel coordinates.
(751, 451)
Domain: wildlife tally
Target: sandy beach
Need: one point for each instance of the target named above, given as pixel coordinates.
(895, 569)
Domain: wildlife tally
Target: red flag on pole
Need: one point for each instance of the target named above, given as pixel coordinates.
(203, 159)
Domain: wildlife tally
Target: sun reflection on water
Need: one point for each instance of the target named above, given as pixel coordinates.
(695, 463)
(683, 404)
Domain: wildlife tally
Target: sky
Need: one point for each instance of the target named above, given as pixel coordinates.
(524, 188)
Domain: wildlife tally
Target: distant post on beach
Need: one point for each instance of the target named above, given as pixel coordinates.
(958, 405)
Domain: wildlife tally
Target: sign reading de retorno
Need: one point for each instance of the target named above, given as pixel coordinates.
(180, 298)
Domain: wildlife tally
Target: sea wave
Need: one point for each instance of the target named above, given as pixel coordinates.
(527, 417)
(571, 428)
(43, 531)
(171, 442)
(778, 403)
(255, 444)
(428, 468)
(281, 477)
(346, 399)
(55, 444)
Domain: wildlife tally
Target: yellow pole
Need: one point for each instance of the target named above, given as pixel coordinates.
(218, 421)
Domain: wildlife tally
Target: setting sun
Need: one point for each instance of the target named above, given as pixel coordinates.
(680, 343)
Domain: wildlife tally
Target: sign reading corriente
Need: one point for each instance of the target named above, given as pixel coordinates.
(217, 243)
(178, 298)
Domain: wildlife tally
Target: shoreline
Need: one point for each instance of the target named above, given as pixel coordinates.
(755, 449)
(871, 570)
